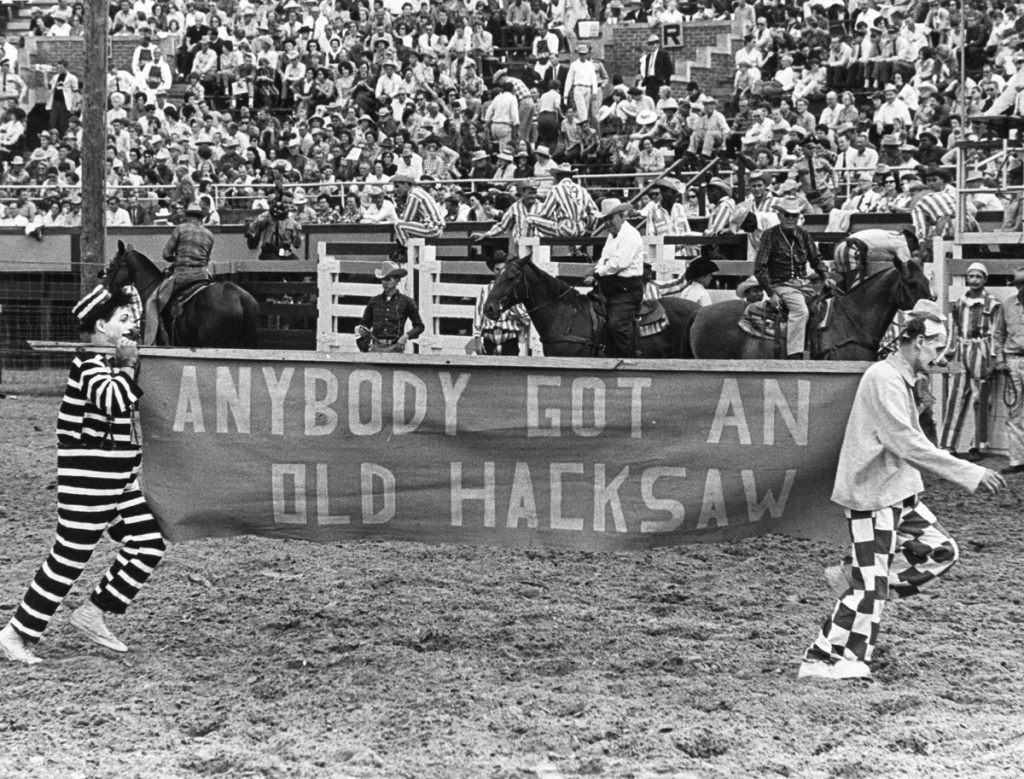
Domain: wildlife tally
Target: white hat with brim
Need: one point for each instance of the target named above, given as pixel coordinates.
(748, 283)
(611, 206)
(789, 205)
(542, 151)
(646, 117)
(565, 169)
(389, 270)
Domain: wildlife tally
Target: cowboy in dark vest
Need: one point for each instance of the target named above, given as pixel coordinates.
(188, 250)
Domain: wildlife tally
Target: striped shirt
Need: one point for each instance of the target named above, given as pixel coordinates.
(970, 337)
(511, 324)
(96, 411)
(422, 208)
(513, 222)
(932, 208)
(568, 201)
(721, 213)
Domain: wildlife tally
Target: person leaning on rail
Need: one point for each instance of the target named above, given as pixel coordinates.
(98, 461)
(898, 545)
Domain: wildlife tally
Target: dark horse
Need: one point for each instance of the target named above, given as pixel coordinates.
(564, 318)
(853, 329)
(221, 314)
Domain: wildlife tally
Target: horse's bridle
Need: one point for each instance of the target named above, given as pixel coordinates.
(872, 345)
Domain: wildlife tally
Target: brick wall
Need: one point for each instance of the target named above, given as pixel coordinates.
(624, 45)
(46, 51)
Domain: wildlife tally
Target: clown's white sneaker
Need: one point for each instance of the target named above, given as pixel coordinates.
(88, 619)
(17, 648)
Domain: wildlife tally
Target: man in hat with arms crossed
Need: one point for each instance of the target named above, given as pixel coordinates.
(619, 275)
(973, 319)
(898, 545)
(188, 252)
(422, 216)
(380, 329)
(781, 268)
(98, 461)
(500, 336)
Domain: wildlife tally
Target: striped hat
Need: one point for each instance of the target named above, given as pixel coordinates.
(85, 307)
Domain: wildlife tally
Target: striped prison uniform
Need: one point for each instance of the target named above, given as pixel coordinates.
(970, 343)
(721, 213)
(512, 323)
(932, 210)
(423, 217)
(568, 212)
(896, 551)
(97, 489)
(514, 222)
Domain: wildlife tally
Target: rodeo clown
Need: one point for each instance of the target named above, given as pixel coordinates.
(98, 460)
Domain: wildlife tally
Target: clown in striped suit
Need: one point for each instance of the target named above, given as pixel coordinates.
(568, 211)
(98, 460)
(935, 210)
(423, 216)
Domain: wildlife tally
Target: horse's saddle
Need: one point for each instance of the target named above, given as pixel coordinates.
(760, 320)
(650, 317)
(185, 293)
(170, 310)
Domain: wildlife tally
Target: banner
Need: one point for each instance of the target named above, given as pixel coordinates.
(529, 452)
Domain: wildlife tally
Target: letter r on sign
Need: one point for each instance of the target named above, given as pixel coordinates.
(671, 36)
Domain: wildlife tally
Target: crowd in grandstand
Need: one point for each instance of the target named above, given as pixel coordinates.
(849, 106)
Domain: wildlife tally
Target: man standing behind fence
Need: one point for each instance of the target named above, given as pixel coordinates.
(1008, 338)
(514, 220)
(380, 329)
(422, 216)
(973, 319)
(502, 335)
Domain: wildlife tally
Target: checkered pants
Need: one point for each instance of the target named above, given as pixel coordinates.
(896, 551)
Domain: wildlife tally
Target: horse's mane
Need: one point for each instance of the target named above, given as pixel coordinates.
(555, 288)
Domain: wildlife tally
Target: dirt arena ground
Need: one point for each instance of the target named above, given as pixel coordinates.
(258, 658)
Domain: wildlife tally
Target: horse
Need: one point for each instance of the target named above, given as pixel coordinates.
(566, 320)
(221, 314)
(853, 328)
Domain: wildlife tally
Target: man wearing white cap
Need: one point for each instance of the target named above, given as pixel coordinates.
(582, 85)
(897, 544)
(970, 342)
(1008, 338)
(655, 67)
(619, 275)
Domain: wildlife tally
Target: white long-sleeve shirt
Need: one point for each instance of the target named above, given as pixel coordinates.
(623, 254)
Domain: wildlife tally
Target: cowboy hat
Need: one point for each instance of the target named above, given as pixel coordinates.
(702, 266)
(402, 178)
(611, 206)
(193, 209)
(748, 283)
(565, 169)
(721, 184)
(542, 151)
(481, 154)
(389, 270)
(647, 116)
(499, 256)
(789, 205)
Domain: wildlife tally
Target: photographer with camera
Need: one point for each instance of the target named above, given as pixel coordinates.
(275, 231)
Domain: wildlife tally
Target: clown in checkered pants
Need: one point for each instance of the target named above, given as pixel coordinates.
(898, 545)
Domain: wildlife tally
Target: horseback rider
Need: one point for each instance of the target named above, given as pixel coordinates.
(619, 275)
(275, 231)
(188, 252)
(781, 268)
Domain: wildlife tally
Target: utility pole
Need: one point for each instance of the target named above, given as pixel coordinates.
(94, 140)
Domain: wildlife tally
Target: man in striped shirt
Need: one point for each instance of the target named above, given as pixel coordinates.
(568, 211)
(98, 461)
(514, 221)
(936, 209)
(720, 196)
(501, 336)
(422, 217)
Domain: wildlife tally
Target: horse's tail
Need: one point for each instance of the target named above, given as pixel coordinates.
(250, 319)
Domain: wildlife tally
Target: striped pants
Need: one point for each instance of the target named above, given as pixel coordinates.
(556, 228)
(97, 490)
(967, 394)
(406, 230)
(896, 551)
